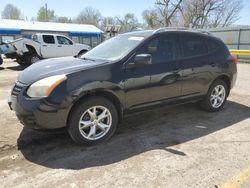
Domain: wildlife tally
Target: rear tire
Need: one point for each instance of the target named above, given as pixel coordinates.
(32, 58)
(20, 61)
(216, 96)
(92, 121)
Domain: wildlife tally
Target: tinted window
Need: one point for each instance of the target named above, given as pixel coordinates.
(212, 44)
(49, 39)
(193, 46)
(162, 49)
(63, 40)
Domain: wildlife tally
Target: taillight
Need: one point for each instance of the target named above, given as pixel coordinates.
(235, 60)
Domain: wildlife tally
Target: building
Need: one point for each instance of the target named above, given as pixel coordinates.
(81, 33)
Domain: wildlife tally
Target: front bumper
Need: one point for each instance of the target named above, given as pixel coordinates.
(39, 113)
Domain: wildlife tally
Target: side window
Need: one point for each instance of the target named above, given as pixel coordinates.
(63, 40)
(193, 46)
(212, 44)
(49, 39)
(162, 49)
(35, 38)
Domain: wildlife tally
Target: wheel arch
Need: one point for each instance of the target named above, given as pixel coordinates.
(102, 93)
(31, 49)
(224, 78)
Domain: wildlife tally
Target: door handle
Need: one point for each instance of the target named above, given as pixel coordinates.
(59, 46)
(44, 45)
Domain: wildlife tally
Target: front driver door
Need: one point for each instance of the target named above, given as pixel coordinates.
(65, 46)
(165, 81)
(136, 84)
(158, 81)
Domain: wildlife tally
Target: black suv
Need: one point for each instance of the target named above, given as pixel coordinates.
(90, 94)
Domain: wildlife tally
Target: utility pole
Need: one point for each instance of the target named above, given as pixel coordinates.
(46, 12)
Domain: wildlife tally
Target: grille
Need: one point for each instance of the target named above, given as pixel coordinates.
(18, 86)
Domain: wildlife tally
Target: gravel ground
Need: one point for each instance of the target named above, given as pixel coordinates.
(177, 146)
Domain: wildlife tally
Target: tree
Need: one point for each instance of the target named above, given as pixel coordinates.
(162, 15)
(128, 22)
(11, 12)
(167, 10)
(41, 15)
(89, 15)
(151, 18)
(107, 21)
(227, 14)
(210, 13)
(63, 19)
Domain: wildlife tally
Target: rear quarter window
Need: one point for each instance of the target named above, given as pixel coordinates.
(213, 44)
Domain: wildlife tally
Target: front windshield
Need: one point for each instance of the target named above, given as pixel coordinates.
(114, 48)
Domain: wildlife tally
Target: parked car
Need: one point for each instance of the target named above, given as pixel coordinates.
(89, 95)
(43, 46)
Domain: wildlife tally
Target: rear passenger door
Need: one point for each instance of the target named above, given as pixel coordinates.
(196, 64)
(48, 46)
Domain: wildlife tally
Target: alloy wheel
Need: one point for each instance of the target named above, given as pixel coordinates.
(218, 96)
(95, 122)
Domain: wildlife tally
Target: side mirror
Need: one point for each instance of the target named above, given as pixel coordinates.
(143, 59)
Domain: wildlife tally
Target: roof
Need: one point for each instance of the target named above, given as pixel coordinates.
(16, 26)
(143, 33)
(146, 33)
(184, 29)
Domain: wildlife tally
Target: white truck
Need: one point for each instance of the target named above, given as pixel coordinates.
(42, 46)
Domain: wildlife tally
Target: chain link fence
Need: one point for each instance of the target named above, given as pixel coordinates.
(237, 38)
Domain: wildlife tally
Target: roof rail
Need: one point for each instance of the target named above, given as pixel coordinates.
(160, 30)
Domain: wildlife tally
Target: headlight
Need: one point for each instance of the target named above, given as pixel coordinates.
(44, 87)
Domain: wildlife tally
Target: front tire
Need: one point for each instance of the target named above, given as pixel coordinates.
(216, 96)
(92, 121)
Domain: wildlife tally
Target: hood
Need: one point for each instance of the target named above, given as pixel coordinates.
(55, 66)
(83, 45)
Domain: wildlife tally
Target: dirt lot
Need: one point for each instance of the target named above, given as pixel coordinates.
(178, 146)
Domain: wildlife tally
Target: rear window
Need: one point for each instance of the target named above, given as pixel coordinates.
(49, 39)
(193, 46)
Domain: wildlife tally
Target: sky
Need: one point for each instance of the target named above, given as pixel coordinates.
(112, 8)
